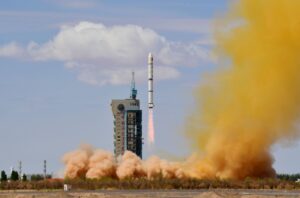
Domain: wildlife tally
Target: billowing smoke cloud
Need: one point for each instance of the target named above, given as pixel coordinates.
(254, 100)
(77, 162)
(87, 162)
(107, 54)
(130, 166)
(101, 164)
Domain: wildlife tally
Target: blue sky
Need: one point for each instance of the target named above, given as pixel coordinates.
(55, 95)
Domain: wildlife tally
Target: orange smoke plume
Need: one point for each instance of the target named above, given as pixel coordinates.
(130, 166)
(253, 101)
(87, 162)
(77, 162)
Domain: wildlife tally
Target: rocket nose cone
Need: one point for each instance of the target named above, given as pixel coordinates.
(150, 58)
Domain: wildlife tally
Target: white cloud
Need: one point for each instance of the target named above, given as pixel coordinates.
(11, 50)
(107, 54)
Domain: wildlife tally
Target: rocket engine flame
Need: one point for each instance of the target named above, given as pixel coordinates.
(150, 127)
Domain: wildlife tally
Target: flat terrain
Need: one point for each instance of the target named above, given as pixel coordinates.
(152, 194)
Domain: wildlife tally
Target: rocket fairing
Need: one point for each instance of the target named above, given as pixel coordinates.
(150, 81)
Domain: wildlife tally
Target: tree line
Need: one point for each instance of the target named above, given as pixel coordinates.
(289, 177)
(14, 176)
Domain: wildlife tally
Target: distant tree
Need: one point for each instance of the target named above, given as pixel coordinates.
(289, 177)
(3, 176)
(14, 176)
(24, 177)
(49, 176)
(37, 177)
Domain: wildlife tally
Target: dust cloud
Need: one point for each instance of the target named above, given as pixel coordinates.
(252, 101)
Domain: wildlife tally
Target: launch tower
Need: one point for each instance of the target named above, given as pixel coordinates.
(127, 124)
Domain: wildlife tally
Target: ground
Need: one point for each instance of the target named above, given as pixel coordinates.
(152, 194)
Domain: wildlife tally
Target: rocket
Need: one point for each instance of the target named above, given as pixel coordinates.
(150, 81)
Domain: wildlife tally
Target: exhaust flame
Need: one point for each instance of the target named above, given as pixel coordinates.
(150, 127)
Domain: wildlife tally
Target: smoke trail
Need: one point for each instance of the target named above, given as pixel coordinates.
(150, 127)
(253, 102)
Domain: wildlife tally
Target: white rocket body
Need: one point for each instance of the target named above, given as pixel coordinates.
(150, 81)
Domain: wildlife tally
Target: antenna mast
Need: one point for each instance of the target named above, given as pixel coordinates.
(20, 170)
(133, 90)
(45, 169)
